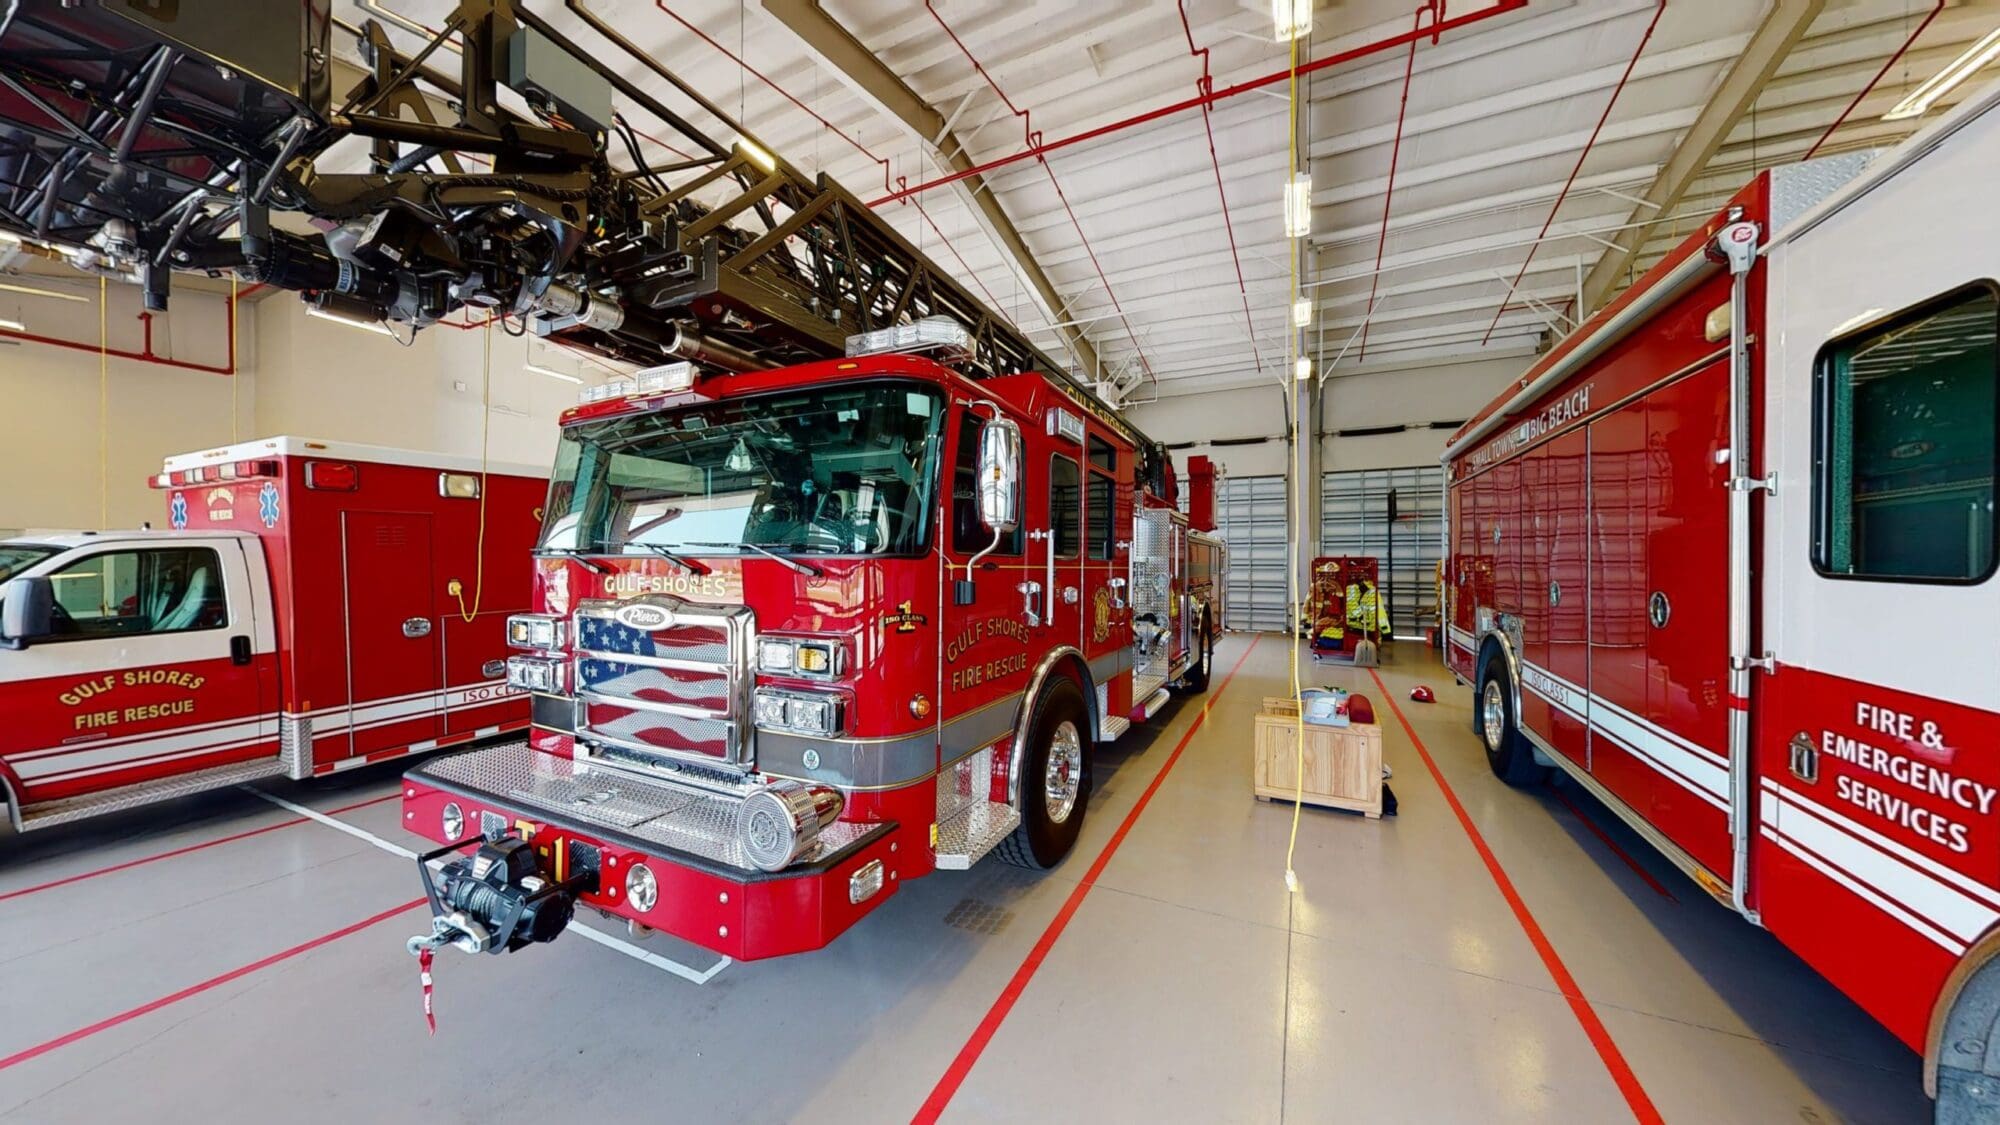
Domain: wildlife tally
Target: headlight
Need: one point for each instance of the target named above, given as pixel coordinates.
(534, 630)
(537, 673)
(453, 822)
(798, 711)
(642, 890)
(817, 659)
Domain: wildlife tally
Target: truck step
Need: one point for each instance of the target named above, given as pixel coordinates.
(1156, 701)
(147, 792)
(1112, 727)
(973, 832)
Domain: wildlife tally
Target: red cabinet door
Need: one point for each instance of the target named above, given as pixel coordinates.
(394, 671)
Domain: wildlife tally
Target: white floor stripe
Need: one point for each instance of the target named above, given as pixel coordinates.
(685, 972)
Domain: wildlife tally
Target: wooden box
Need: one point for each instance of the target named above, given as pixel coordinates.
(1343, 765)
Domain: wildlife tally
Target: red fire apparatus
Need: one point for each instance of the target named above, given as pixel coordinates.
(1724, 556)
(315, 606)
(802, 635)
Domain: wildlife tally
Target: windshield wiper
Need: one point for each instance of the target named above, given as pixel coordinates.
(577, 554)
(801, 567)
(694, 565)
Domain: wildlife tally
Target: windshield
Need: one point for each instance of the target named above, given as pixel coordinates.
(843, 470)
(17, 557)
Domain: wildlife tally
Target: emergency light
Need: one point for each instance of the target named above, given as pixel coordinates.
(933, 333)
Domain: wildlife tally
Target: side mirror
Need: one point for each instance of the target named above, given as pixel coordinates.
(27, 606)
(1000, 476)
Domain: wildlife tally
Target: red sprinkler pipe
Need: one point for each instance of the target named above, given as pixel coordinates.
(1580, 158)
(1206, 84)
(146, 353)
(1034, 139)
(1500, 7)
(837, 131)
(1389, 196)
(1872, 82)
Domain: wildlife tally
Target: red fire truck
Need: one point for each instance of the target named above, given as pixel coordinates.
(1724, 556)
(802, 635)
(315, 606)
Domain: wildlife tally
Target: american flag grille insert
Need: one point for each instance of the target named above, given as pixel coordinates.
(674, 691)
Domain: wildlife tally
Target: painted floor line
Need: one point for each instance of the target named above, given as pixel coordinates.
(685, 972)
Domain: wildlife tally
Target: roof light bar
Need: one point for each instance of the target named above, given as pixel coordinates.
(931, 333)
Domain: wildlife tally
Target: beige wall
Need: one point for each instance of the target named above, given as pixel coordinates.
(64, 463)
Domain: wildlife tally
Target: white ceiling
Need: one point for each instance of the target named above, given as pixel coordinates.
(1136, 242)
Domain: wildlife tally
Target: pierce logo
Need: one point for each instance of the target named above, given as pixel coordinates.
(644, 615)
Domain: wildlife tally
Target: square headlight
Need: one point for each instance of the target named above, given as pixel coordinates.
(535, 673)
(769, 709)
(797, 711)
(776, 657)
(534, 630)
(815, 658)
(807, 714)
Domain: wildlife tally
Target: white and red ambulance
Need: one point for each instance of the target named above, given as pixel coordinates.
(1726, 555)
(315, 606)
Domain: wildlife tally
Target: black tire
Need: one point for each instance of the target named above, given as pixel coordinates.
(1195, 681)
(1049, 828)
(1507, 752)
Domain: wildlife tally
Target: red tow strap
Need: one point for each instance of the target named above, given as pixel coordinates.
(424, 975)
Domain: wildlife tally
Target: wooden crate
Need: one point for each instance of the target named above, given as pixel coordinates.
(1343, 764)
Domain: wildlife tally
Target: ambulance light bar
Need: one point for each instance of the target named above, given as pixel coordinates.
(209, 474)
(937, 333)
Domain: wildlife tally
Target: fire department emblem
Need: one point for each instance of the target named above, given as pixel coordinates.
(177, 511)
(1100, 617)
(267, 504)
(906, 619)
(221, 505)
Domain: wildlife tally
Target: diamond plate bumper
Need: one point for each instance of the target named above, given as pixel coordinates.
(709, 893)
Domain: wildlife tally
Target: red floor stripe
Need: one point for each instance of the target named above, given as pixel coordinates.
(968, 1055)
(1621, 853)
(196, 989)
(131, 863)
(1614, 1060)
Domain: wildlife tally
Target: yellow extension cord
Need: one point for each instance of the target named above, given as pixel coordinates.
(485, 433)
(1292, 541)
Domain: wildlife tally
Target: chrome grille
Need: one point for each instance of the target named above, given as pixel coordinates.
(675, 692)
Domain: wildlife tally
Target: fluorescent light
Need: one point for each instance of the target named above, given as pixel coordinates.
(1291, 19)
(1302, 313)
(552, 373)
(756, 154)
(12, 325)
(1302, 370)
(351, 322)
(34, 292)
(1298, 206)
(1945, 81)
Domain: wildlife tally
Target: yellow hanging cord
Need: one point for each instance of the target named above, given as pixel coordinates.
(235, 363)
(103, 406)
(485, 432)
(1299, 433)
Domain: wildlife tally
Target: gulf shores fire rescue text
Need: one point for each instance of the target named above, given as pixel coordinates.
(297, 618)
(1724, 557)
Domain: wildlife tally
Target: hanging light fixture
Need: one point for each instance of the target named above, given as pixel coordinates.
(1291, 19)
(1302, 313)
(1298, 205)
(1303, 369)
(1945, 81)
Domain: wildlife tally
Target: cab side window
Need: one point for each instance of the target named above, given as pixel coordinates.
(1065, 506)
(1100, 504)
(1908, 443)
(968, 535)
(131, 593)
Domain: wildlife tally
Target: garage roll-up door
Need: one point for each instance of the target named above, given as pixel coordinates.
(1354, 520)
(1250, 512)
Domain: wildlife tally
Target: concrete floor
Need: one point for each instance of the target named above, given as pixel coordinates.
(261, 971)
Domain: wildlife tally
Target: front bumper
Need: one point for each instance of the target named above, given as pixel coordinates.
(709, 894)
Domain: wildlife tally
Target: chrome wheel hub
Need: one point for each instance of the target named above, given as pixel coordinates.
(1064, 775)
(1493, 715)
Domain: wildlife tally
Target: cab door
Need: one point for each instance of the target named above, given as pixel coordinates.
(150, 670)
(395, 671)
(1062, 552)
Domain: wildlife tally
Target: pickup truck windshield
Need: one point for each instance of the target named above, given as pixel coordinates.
(17, 557)
(841, 470)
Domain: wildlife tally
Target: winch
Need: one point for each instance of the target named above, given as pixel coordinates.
(498, 899)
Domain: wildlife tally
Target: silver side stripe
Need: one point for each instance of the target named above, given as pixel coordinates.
(76, 760)
(1666, 755)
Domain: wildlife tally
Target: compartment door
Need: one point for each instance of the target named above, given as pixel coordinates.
(394, 668)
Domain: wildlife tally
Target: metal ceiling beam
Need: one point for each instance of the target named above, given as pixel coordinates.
(1782, 28)
(832, 45)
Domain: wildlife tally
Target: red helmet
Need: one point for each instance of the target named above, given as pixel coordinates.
(1422, 694)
